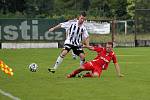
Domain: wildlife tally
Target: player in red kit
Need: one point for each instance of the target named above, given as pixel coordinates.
(103, 58)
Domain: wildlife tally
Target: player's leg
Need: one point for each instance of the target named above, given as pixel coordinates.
(79, 52)
(93, 74)
(60, 59)
(85, 67)
(74, 56)
(88, 74)
(75, 72)
(96, 72)
(82, 58)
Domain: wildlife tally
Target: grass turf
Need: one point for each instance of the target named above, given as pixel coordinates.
(41, 85)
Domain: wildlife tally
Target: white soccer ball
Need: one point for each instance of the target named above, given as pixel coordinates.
(33, 67)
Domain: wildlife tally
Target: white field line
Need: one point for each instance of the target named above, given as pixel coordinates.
(9, 95)
(130, 62)
(130, 55)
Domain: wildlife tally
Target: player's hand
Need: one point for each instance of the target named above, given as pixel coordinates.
(51, 30)
(84, 46)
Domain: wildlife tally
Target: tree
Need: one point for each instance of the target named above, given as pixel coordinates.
(131, 8)
(85, 5)
(121, 8)
(12, 6)
(37, 7)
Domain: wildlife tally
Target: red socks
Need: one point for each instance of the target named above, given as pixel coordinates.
(88, 75)
(75, 72)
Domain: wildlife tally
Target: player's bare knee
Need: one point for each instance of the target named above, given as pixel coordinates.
(82, 67)
(95, 74)
(63, 53)
(82, 56)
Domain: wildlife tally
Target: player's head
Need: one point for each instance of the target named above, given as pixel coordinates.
(109, 46)
(82, 17)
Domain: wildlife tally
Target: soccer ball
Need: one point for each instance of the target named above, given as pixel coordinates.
(33, 67)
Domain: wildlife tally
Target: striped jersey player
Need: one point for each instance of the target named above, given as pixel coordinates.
(76, 34)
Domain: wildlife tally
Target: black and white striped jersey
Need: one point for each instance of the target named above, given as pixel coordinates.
(75, 34)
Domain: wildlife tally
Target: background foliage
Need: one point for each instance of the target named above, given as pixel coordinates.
(121, 9)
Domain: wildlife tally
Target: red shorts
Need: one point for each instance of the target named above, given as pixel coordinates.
(91, 66)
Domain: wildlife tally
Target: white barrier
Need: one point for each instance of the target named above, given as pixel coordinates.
(98, 27)
(29, 45)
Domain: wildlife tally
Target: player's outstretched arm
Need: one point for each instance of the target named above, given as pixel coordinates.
(55, 27)
(88, 47)
(87, 41)
(117, 67)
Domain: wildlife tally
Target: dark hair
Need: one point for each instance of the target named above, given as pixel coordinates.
(83, 13)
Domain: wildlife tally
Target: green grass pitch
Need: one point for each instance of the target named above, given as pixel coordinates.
(41, 85)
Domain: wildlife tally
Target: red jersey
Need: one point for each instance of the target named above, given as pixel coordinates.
(103, 58)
